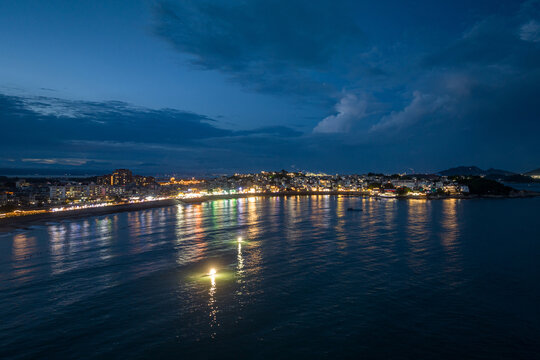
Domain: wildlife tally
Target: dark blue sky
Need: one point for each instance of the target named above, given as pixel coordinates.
(200, 86)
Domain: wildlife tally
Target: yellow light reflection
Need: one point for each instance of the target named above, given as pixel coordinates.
(23, 249)
(212, 302)
(23, 246)
(449, 224)
(418, 231)
(240, 259)
(450, 236)
(253, 218)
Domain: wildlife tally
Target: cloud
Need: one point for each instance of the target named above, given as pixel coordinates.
(65, 161)
(106, 121)
(489, 41)
(471, 100)
(469, 95)
(498, 41)
(281, 131)
(421, 106)
(349, 110)
(130, 146)
(474, 79)
(530, 31)
(267, 46)
(93, 134)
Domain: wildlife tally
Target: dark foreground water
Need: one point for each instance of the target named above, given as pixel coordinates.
(402, 279)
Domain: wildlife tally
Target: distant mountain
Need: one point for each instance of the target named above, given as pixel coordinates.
(462, 170)
(533, 172)
(474, 171)
(492, 171)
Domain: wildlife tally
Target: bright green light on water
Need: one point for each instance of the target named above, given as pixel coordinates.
(239, 239)
(212, 272)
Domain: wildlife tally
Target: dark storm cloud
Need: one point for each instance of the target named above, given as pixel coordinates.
(318, 50)
(473, 100)
(56, 132)
(53, 120)
(269, 46)
(491, 75)
(497, 40)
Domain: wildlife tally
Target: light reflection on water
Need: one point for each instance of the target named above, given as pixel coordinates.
(306, 271)
(450, 237)
(212, 305)
(418, 232)
(23, 249)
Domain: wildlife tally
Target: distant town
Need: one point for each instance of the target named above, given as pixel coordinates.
(20, 196)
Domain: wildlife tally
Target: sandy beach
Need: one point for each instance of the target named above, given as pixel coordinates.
(22, 222)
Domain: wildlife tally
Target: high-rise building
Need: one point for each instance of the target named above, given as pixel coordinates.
(104, 180)
(122, 177)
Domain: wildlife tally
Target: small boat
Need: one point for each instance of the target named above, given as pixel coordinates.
(353, 209)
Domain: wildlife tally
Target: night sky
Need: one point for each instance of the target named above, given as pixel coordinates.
(208, 87)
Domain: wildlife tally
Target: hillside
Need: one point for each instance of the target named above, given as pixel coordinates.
(533, 172)
(474, 171)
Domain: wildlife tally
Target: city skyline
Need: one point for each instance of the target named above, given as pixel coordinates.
(122, 189)
(217, 87)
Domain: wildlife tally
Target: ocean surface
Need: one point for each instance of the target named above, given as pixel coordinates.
(402, 279)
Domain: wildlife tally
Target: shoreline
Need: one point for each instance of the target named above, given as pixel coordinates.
(24, 221)
(198, 200)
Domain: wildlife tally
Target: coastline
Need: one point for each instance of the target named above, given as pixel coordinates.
(198, 200)
(23, 222)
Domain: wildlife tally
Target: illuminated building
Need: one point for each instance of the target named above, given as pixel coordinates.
(22, 184)
(105, 180)
(174, 181)
(144, 180)
(57, 192)
(121, 177)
